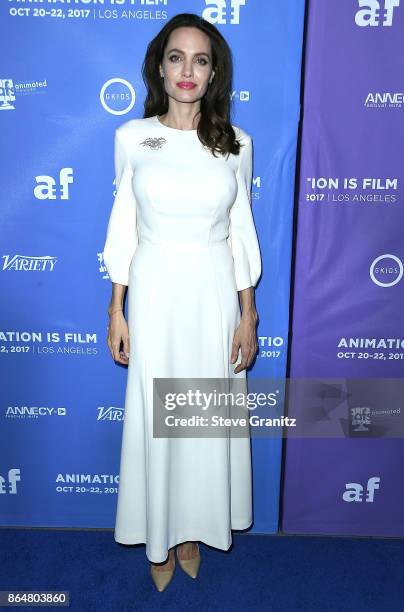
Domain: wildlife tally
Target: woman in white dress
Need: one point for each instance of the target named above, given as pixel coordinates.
(182, 238)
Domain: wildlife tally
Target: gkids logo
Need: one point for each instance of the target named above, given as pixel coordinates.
(354, 490)
(386, 270)
(9, 484)
(117, 96)
(376, 12)
(47, 187)
(223, 11)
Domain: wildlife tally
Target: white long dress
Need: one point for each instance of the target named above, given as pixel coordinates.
(181, 235)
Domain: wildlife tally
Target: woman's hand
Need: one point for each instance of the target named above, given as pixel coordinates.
(245, 337)
(118, 332)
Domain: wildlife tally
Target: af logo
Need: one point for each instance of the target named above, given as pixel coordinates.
(223, 11)
(47, 187)
(8, 484)
(354, 490)
(376, 12)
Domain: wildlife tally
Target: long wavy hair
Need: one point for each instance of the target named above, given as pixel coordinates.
(214, 128)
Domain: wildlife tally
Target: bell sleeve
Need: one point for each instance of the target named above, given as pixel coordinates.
(242, 238)
(121, 237)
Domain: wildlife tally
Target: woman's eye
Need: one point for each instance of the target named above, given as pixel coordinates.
(172, 57)
(203, 60)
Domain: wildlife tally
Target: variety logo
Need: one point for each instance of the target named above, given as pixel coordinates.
(47, 187)
(223, 11)
(117, 96)
(376, 12)
(33, 412)
(111, 413)
(9, 484)
(386, 270)
(28, 263)
(354, 490)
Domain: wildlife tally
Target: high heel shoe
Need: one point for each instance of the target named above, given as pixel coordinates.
(190, 566)
(162, 578)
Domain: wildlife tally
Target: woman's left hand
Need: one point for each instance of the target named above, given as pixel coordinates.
(245, 337)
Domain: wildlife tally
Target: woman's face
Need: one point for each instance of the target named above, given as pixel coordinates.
(187, 64)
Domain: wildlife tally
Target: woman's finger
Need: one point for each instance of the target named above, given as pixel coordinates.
(126, 346)
(247, 355)
(234, 350)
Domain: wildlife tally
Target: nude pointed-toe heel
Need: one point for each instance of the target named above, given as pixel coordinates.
(190, 566)
(162, 578)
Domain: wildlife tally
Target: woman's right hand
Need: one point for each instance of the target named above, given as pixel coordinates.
(118, 332)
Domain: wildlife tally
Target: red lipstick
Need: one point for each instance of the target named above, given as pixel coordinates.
(186, 85)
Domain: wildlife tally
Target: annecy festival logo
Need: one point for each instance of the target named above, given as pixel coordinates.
(386, 270)
(384, 99)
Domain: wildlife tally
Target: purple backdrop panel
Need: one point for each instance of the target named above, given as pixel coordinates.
(348, 312)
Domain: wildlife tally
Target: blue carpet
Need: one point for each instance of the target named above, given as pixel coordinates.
(274, 573)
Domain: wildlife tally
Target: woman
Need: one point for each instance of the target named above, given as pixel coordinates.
(181, 237)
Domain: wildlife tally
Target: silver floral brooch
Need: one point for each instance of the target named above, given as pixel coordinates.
(153, 143)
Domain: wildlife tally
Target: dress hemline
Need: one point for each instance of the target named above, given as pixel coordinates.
(209, 540)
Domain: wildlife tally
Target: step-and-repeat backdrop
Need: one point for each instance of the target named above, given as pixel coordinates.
(347, 348)
(72, 74)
